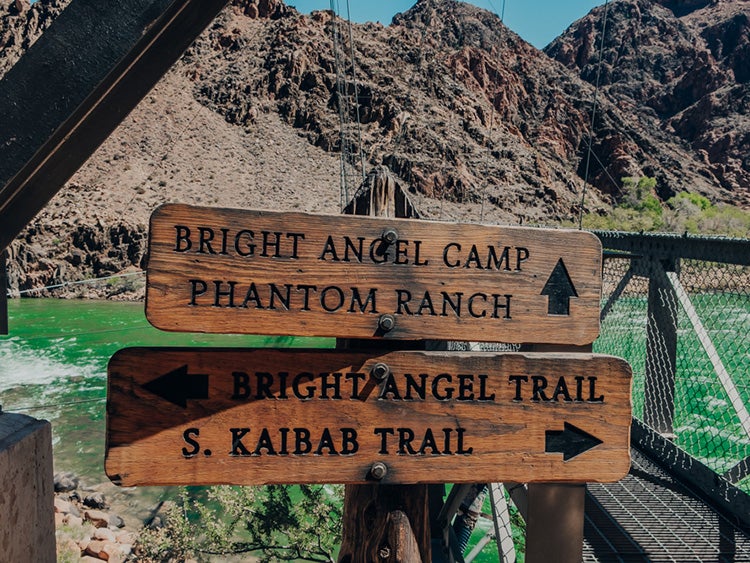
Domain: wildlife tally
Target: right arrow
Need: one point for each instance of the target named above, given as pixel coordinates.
(177, 386)
(570, 442)
(560, 289)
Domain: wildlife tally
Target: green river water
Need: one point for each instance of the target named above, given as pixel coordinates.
(53, 366)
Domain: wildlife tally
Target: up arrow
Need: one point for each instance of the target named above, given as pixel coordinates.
(178, 386)
(560, 289)
(570, 442)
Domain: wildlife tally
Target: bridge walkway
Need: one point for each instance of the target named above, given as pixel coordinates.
(653, 516)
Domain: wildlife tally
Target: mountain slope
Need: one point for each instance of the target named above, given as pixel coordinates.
(680, 67)
(478, 123)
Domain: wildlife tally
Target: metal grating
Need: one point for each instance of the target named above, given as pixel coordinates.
(649, 516)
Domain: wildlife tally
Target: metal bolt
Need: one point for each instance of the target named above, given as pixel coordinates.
(378, 470)
(384, 552)
(380, 371)
(386, 322)
(390, 235)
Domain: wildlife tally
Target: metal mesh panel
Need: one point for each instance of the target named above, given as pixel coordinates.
(684, 327)
(707, 423)
(623, 330)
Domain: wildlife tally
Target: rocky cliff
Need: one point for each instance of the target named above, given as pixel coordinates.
(478, 123)
(681, 68)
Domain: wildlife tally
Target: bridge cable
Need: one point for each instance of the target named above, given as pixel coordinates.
(344, 189)
(58, 405)
(74, 282)
(356, 93)
(492, 114)
(593, 114)
(416, 69)
(347, 150)
(68, 335)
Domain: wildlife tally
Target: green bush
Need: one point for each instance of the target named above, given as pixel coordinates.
(275, 523)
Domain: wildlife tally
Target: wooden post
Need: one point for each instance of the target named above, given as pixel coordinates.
(555, 511)
(27, 524)
(4, 292)
(554, 528)
(384, 523)
(661, 350)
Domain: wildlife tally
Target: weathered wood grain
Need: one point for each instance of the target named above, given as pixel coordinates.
(498, 411)
(260, 272)
(381, 525)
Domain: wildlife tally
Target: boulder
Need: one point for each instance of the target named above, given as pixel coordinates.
(104, 534)
(65, 482)
(98, 518)
(62, 506)
(95, 500)
(112, 552)
(125, 537)
(73, 521)
(95, 548)
(116, 521)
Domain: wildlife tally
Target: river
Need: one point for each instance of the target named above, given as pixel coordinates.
(53, 366)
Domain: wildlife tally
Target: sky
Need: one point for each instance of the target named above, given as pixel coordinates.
(536, 21)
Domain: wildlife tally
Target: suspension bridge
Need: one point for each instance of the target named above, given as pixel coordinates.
(672, 305)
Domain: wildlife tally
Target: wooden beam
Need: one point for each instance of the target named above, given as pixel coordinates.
(76, 84)
(623, 283)
(713, 488)
(3, 292)
(738, 472)
(666, 246)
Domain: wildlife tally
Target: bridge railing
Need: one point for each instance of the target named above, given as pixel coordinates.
(678, 309)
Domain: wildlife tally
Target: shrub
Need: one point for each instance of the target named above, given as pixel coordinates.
(276, 523)
(640, 210)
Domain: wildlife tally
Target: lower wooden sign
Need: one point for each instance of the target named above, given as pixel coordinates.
(261, 416)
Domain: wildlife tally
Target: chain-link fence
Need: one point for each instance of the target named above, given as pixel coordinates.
(678, 309)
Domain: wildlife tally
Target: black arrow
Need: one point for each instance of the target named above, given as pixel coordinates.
(178, 386)
(570, 442)
(560, 289)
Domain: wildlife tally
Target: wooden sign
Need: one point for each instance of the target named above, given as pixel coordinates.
(249, 417)
(259, 272)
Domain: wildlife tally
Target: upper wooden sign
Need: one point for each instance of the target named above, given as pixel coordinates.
(201, 416)
(260, 272)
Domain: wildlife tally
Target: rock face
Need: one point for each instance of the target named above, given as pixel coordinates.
(682, 68)
(479, 124)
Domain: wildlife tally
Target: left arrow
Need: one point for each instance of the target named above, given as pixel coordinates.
(178, 386)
